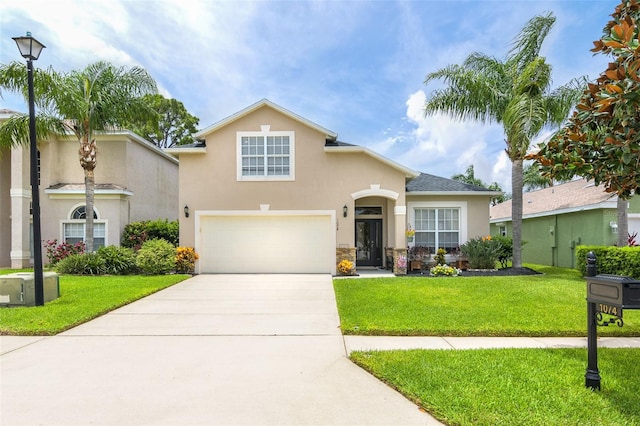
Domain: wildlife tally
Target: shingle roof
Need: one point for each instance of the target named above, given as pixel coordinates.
(430, 183)
(567, 196)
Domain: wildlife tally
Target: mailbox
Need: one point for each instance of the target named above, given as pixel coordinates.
(613, 291)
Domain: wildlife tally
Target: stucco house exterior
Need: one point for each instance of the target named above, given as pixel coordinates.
(559, 218)
(134, 181)
(267, 191)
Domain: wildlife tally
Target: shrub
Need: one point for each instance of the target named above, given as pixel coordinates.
(56, 252)
(439, 257)
(156, 257)
(118, 260)
(345, 267)
(481, 252)
(136, 233)
(611, 260)
(186, 260)
(442, 270)
(81, 264)
(506, 249)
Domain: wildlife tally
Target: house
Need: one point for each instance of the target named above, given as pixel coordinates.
(134, 181)
(559, 218)
(268, 191)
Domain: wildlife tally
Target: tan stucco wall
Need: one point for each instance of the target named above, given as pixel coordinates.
(323, 181)
(477, 211)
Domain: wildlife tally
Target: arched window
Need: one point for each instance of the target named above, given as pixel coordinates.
(74, 229)
(81, 213)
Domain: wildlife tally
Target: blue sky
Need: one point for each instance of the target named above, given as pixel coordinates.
(355, 67)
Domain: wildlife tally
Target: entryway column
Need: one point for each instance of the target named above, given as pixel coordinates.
(400, 241)
(20, 194)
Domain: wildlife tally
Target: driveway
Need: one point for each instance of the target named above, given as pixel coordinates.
(212, 350)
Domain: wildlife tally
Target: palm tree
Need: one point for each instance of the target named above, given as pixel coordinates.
(514, 93)
(98, 98)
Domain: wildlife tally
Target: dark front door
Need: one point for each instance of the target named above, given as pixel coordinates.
(368, 242)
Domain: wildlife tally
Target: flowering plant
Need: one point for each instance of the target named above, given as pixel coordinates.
(410, 232)
(444, 271)
(56, 252)
(345, 267)
(186, 260)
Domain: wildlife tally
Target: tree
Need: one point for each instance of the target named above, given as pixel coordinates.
(470, 178)
(174, 126)
(98, 98)
(601, 141)
(514, 93)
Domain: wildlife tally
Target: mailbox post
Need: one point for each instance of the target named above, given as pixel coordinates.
(606, 295)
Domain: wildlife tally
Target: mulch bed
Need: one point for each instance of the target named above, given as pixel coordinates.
(504, 272)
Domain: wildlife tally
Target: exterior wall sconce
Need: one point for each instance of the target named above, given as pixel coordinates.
(614, 227)
(186, 210)
(345, 210)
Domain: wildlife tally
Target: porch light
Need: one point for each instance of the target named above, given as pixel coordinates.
(345, 210)
(186, 210)
(614, 227)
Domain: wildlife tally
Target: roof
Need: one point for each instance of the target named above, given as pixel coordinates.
(343, 147)
(251, 108)
(436, 185)
(572, 196)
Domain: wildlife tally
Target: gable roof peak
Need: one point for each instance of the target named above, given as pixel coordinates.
(254, 107)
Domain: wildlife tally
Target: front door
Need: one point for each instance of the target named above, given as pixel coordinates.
(368, 242)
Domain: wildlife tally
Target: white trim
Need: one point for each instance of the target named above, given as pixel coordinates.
(410, 173)
(375, 191)
(20, 193)
(103, 193)
(603, 205)
(462, 205)
(269, 178)
(192, 150)
(199, 214)
(400, 210)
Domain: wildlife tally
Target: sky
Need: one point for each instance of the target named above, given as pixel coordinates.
(355, 67)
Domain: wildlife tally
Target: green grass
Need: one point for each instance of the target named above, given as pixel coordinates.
(552, 304)
(82, 298)
(513, 386)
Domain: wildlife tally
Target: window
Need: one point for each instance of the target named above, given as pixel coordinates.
(437, 228)
(502, 230)
(265, 155)
(73, 230)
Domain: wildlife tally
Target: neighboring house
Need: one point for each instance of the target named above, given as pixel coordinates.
(266, 191)
(134, 181)
(559, 218)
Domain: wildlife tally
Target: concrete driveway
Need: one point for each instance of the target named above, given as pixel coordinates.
(212, 350)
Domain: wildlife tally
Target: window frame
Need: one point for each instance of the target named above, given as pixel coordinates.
(461, 206)
(96, 221)
(264, 134)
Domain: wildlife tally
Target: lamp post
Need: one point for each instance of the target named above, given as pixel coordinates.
(30, 49)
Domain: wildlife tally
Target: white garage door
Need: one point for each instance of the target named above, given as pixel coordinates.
(267, 243)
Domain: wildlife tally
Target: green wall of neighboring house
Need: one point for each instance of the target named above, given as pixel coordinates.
(551, 240)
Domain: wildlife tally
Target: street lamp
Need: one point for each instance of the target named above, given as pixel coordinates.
(30, 49)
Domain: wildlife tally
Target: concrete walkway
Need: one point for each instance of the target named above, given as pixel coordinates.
(212, 350)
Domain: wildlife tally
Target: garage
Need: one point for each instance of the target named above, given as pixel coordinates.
(266, 242)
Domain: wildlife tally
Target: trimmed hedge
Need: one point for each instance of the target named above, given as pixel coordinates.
(611, 260)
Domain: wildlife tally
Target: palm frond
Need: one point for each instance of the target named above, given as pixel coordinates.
(527, 44)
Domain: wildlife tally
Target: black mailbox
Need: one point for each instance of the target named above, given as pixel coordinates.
(613, 291)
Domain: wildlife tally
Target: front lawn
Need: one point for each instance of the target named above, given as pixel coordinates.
(551, 304)
(82, 298)
(513, 386)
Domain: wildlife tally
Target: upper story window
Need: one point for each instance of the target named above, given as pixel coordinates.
(265, 155)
